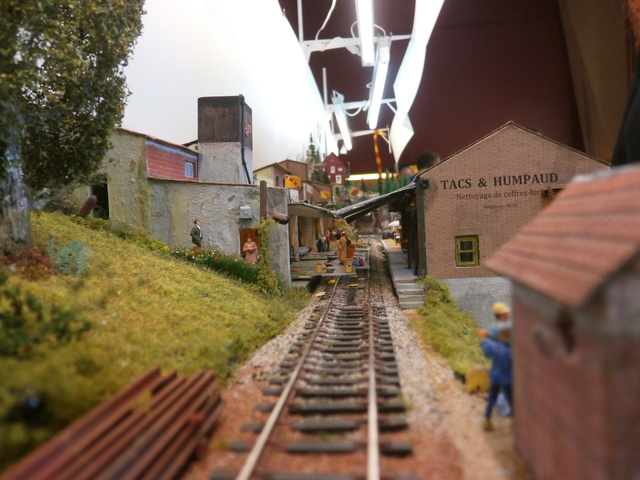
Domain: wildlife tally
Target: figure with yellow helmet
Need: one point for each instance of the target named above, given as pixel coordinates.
(496, 344)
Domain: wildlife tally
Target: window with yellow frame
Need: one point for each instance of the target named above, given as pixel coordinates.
(467, 253)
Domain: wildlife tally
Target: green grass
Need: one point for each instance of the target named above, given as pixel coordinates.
(449, 331)
(134, 307)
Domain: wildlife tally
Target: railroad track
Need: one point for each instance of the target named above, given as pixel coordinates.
(337, 408)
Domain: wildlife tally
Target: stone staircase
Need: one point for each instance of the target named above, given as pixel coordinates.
(410, 295)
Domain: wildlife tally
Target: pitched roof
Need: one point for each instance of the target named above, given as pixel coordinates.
(584, 237)
(504, 128)
(276, 165)
(185, 148)
(332, 157)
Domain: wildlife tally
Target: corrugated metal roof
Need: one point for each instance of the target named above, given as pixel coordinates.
(590, 232)
(357, 210)
(310, 211)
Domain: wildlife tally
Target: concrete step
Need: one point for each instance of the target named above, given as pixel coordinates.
(403, 274)
(411, 288)
(412, 305)
(411, 297)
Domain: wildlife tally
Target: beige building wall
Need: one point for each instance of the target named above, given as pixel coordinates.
(167, 208)
(125, 169)
(263, 176)
(489, 190)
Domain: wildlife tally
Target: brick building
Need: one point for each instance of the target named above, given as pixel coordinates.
(313, 192)
(576, 309)
(475, 200)
(166, 160)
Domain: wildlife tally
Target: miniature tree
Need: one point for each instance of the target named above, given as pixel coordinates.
(62, 91)
(403, 180)
(313, 162)
(389, 183)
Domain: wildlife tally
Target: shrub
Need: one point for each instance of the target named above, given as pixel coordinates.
(72, 258)
(25, 323)
(232, 266)
(31, 262)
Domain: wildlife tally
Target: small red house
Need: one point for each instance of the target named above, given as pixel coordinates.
(576, 307)
(335, 168)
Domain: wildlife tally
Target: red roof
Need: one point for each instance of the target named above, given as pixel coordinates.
(583, 238)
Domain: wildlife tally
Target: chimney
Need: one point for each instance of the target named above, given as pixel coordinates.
(225, 140)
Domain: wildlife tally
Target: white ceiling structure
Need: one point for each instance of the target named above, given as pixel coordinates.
(246, 47)
(374, 49)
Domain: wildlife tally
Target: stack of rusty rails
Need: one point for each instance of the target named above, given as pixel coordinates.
(148, 430)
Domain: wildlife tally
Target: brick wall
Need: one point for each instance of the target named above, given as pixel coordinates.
(164, 161)
(577, 412)
(490, 189)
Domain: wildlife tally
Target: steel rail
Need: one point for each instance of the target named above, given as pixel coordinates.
(373, 445)
(258, 449)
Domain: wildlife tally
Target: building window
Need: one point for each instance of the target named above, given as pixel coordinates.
(339, 179)
(333, 169)
(467, 251)
(189, 169)
(550, 194)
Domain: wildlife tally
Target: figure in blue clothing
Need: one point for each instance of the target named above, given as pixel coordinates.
(496, 345)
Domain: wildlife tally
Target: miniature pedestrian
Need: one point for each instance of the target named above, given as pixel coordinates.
(500, 375)
(342, 246)
(250, 250)
(196, 234)
(321, 243)
(327, 238)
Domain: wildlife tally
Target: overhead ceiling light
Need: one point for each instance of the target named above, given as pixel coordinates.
(410, 74)
(341, 117)
(364, 12)
(379, 79)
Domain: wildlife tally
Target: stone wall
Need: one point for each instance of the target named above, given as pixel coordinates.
(174, 205)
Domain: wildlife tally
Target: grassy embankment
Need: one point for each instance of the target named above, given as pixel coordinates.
(69, 341)
(449, 331)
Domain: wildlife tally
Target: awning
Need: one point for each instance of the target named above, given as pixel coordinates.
(353, 212)
(310, 211)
